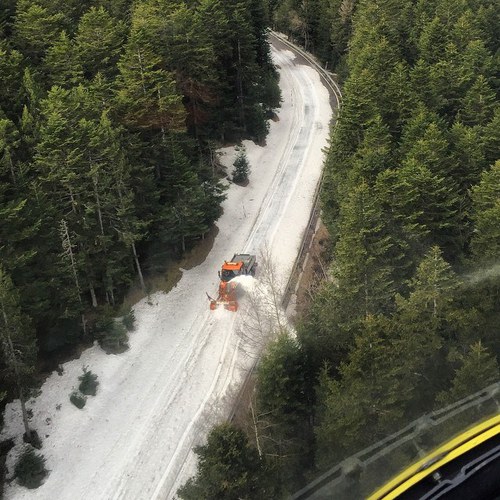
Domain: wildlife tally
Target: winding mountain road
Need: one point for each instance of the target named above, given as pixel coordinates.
(157, 400)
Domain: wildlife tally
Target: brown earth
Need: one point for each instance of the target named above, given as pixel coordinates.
(314, 270)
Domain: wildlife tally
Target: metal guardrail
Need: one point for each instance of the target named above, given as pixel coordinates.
(336, 93)
(326, 75)
(338, 479)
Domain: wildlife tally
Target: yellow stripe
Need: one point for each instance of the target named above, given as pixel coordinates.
(450, 450)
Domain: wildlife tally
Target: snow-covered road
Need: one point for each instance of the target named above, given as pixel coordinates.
(185, 363)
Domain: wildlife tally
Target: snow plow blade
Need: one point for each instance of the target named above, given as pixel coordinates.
(230, 305)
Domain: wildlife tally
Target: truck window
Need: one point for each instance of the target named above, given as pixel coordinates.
(227, 275)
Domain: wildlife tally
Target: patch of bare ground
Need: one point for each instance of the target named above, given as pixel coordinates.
(314, 270)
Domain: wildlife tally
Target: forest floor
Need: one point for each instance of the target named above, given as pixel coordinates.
(185, 364)
(314, 270)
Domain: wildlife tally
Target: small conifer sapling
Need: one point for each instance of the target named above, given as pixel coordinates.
(241, 168)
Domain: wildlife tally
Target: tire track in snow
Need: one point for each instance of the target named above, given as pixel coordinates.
(291, 163)
(256, 237)
(197, 339)
(262, 232)
(181, 448)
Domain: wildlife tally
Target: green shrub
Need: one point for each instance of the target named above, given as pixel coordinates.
(115, 339)
(111, 334)
(128, 320)
(88, 383)
(30, 469)
(241, 168)
(78, 399)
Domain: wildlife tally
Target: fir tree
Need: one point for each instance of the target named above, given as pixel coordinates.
(486, 212)
(62, 65)
(228, 468)
(476, 370)
(98, 42)
(36, 28)
(147, 94)
(10, 78)
(478, 103)
(241, 167)
(30, 469)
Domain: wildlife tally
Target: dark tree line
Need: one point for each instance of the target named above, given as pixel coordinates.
(406, 320)
(110, 111)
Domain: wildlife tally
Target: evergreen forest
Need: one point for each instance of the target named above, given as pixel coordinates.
(110, 115)
(406, 316)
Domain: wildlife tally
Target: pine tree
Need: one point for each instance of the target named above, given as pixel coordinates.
(228, 468)
(486, 212)
(477, 369)
(63, 67)
(241, 167)
(98, 42)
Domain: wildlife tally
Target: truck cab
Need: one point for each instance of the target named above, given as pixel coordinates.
(240, 264)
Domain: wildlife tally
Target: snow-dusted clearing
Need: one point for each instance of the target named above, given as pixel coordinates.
(185, 363)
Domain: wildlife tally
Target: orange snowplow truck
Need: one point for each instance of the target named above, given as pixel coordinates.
(241, 264)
